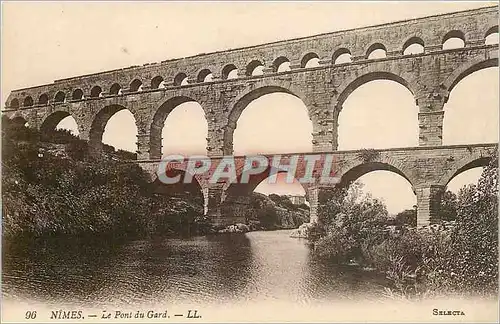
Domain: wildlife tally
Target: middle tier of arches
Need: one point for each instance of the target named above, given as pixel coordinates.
(221, 111)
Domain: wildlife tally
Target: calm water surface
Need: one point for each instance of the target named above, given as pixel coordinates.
(257, 266)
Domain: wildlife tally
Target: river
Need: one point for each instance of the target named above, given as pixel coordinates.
(257, 266)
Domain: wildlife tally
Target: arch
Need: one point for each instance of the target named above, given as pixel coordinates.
(19, 121)
(376, 115)
(449, 40)
(491, 30)
(181, 79)
(282, 186)
(60, 97)
(281, 64)
(95, 92)
(354, 172)
(245, 98)
(28, 101)
(115, 89)
(43, 99)
(472, 119)
(237, 188)
(466, 163)
(50, 122)
(136, 85)
(342, 55)
(229, 71)
(414, 45)
(14, 103)
(99, 124)
(77, 94)
(204, 75)
(346, 89)
(309, 60)
(252, 67)
(155, 134)
(376, 51)
(237, 197)
(491, 36)
(193, 188)
(156, 81)
(471, 66)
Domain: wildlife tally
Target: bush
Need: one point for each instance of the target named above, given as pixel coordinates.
(471, 262)
(45, 194)
(303, 206)
(407, 217)
(449, 206)
(351, 221)
(462, 258)
(268, 217)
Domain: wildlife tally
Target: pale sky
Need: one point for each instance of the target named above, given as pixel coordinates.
(44, 41)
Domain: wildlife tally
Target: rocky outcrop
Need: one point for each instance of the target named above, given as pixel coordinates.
(236, 228)
(303, 231)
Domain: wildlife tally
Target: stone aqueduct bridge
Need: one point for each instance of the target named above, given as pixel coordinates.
(427, 168)
(150, 92)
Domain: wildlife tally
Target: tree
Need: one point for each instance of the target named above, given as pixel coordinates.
(475, 238)
(267, 216)
(47, 194)
(407, 217)
(470, 264)
(449, 205)
(353, 220)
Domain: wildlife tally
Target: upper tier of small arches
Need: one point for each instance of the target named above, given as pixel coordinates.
(148, 80)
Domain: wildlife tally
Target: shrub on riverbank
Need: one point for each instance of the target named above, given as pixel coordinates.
(49, 191)
(471, 259)
(458, 259)
(356, 221)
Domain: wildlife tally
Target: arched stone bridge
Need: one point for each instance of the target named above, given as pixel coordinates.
(428, 169)
(225, 82)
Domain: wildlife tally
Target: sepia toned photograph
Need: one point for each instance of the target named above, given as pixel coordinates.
(249, 162)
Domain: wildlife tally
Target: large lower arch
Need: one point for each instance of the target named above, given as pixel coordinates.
(237, 196)
(352, 84)
(158, 123)
(348, 176)
(472, 118)
(465, 164)
(383, 181)
(376, 110)
(193, 188)
(187, 200)
(99, 124)
(473, 65)
(243, 101)
(50, 122)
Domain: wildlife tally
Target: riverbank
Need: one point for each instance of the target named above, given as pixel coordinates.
(245, 273)
(446, 258)
(256, 266)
